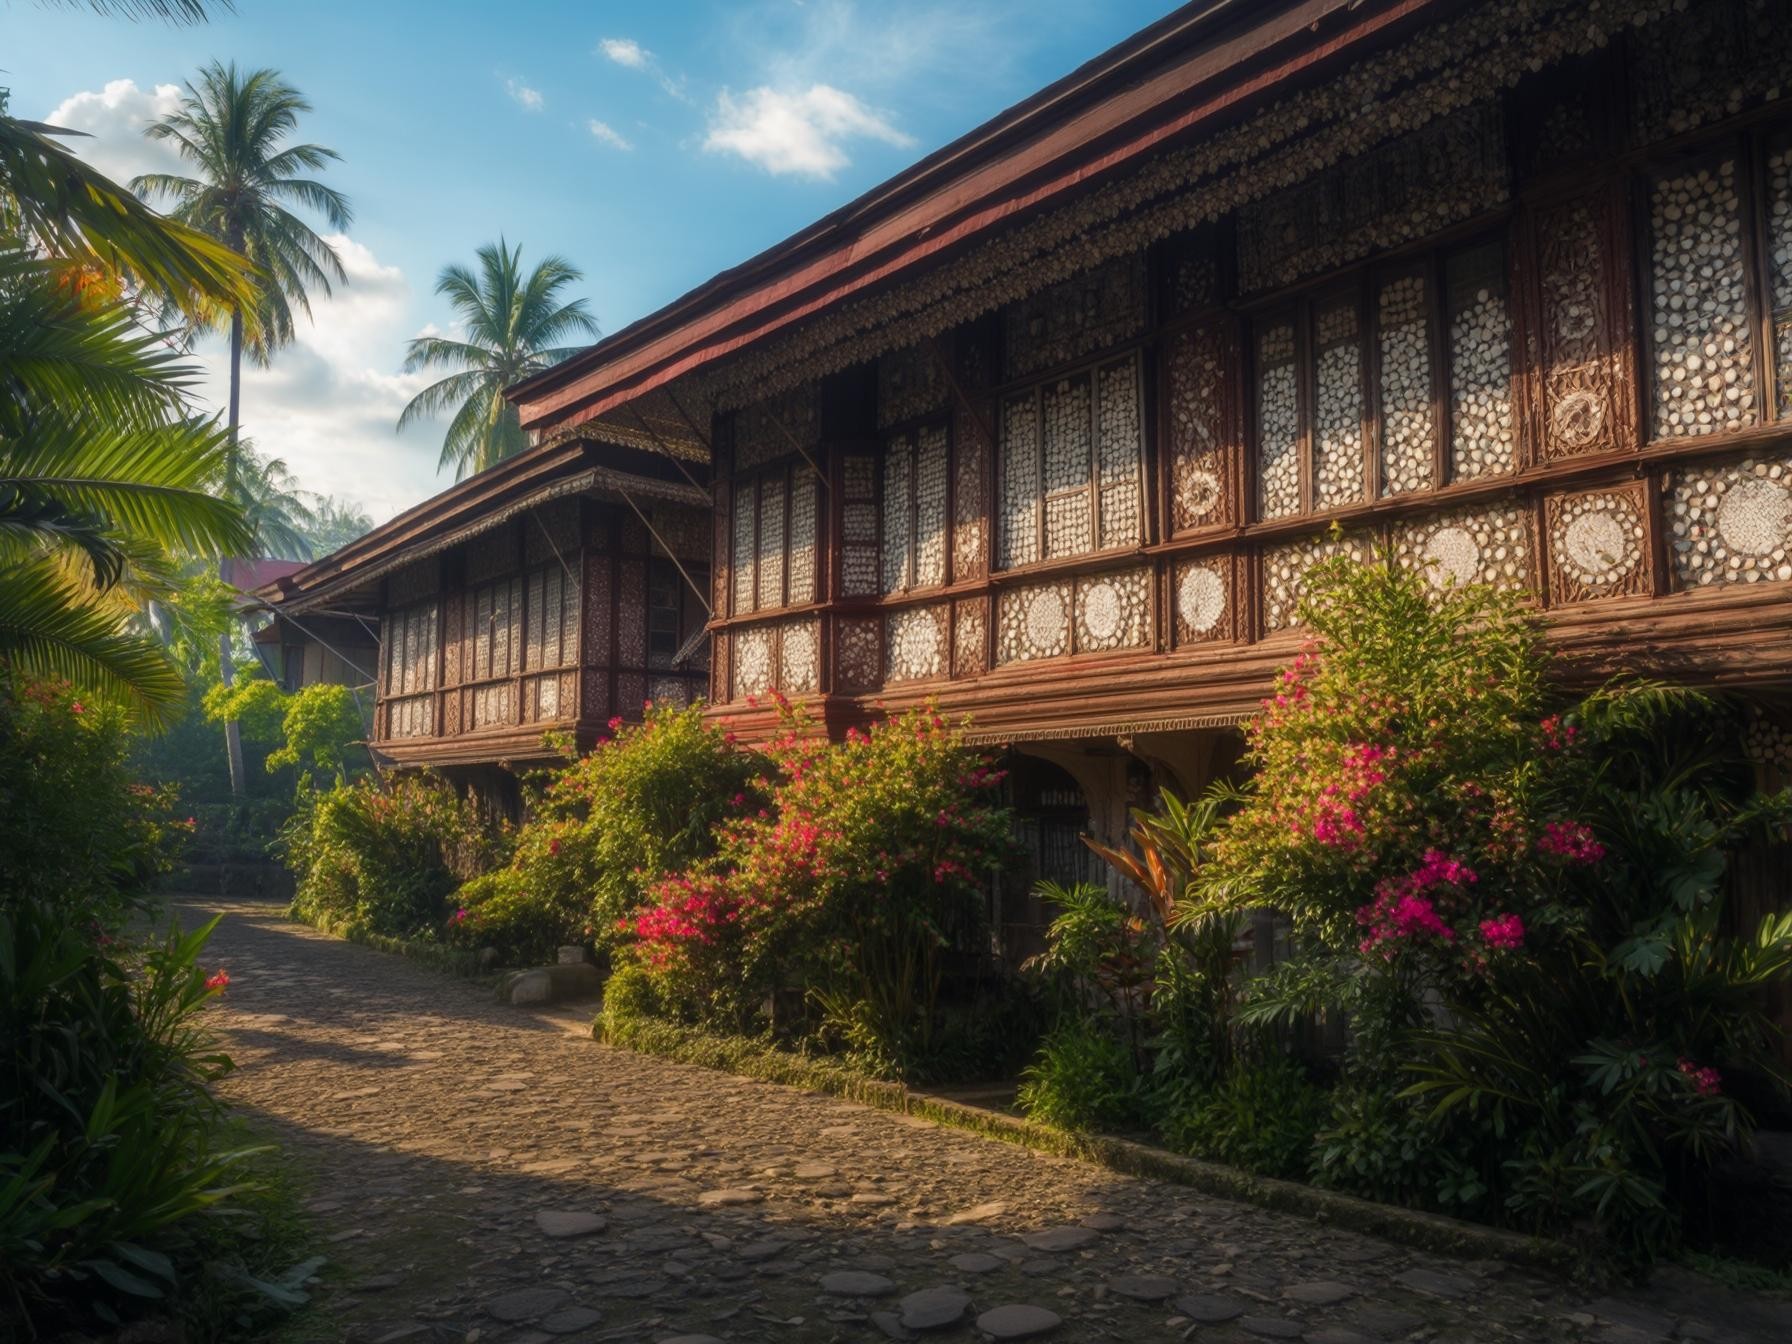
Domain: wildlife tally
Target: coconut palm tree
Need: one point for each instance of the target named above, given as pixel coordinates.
(234, 128)
(103, 475)
(513, 326)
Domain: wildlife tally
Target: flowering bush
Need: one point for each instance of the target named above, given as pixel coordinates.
(386, 855)
(647, 801)
(1521, 908)
(860, 873)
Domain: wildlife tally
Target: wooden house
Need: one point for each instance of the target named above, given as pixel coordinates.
(1050, 426)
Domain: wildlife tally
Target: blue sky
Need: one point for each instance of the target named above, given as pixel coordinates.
(650, 144)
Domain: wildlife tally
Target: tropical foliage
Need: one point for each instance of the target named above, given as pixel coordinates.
(647, 802)
(513, 325)
(1516, 906)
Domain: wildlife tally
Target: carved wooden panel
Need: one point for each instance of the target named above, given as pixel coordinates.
(1191, 271)
(1779, 267)
(594, 694)
(858, 656)
(596, 650)
(744, 554)
(970, 653)
(631, 613)
(414, 582)
(773, 502)
(668, 691)
(804, 553)
(1490, 543)
(1732, 522)
(1598, 543)
(631, 694)
(1089, 312)
(1583, 295)
(1702, 374)
(915, 643)
(719, 667)
(1197, 361)
(1204, 600)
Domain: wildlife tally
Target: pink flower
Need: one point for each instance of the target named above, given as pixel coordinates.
(1505, 931)
(219, 980)
(1707, 1080)
(459, 916)
(1571, 841)
(77, 708)
(554, 845)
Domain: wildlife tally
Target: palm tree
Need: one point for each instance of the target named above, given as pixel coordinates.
(273, 505)
(512, 326)
(335, 523)
(234, 128)
(103, 476)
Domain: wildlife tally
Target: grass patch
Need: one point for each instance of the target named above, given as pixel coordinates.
(762, 1060)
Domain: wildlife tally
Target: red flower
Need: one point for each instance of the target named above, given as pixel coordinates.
(218, 981)
(77, 707)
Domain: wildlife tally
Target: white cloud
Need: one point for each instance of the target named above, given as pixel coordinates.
(113, 119)
(530, 100)
(607, 134)
(796, 133)
(625, 51)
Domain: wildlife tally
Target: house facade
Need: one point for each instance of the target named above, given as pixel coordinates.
(532, 602)
(1050, 427)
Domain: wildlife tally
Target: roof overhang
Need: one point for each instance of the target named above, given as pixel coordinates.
(569, 467)
(1170, 83)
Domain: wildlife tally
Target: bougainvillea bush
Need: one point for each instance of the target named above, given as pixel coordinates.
(857, 882)
(386, 855)
(649, 800)
(1518, 902)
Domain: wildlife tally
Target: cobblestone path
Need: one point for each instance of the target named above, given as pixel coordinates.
(482, 1173)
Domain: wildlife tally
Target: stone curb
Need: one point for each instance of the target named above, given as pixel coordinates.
(1410, 1227)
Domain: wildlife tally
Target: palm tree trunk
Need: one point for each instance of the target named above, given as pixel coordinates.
(233, 734)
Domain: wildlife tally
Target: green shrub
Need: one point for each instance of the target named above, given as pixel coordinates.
(647, 802)
(1262, 1117)
(386, 856)
(631, 993)
(864, 873)
(1083, 1079)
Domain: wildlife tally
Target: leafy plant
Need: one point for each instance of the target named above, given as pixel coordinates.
(1261, 1117)
(1083, 1079)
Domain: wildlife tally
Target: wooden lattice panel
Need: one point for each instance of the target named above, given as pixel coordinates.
(631, 613)
(910, 385)
(778, 425)
(550, 531)
(414, 582)
(1585, 374)
(1483, 420)
(1598, 543)
(1338, 462)
(799, 657)
(858, 661)
(1033, 622)
(969, 511)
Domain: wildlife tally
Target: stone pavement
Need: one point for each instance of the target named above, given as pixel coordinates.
(482, 1173)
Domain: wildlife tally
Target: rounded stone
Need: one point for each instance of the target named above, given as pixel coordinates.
(1018, 1320)
(1272, 1327)
(570, 1321)
(1060, 1238)
(977, 1262)
(689, 1339)
(934, 1308)
(568, 1223)
(856, 1283)
(728, 1198)
(1143, 1287)
(527, 1304)
(1320, 1293)
(1209, 1308)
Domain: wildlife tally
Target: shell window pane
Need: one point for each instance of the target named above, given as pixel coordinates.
(1482, 441)
(1278, 423)
(899, 503)
(930, 507)
(1407, 431)
(1338, 463)
(1704, 373)
(1018, 543)
(746, 505)
(1779, 255)
(482, 634)
(532, 628)
(771, 541)
(1121, 455)
(802, 538)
